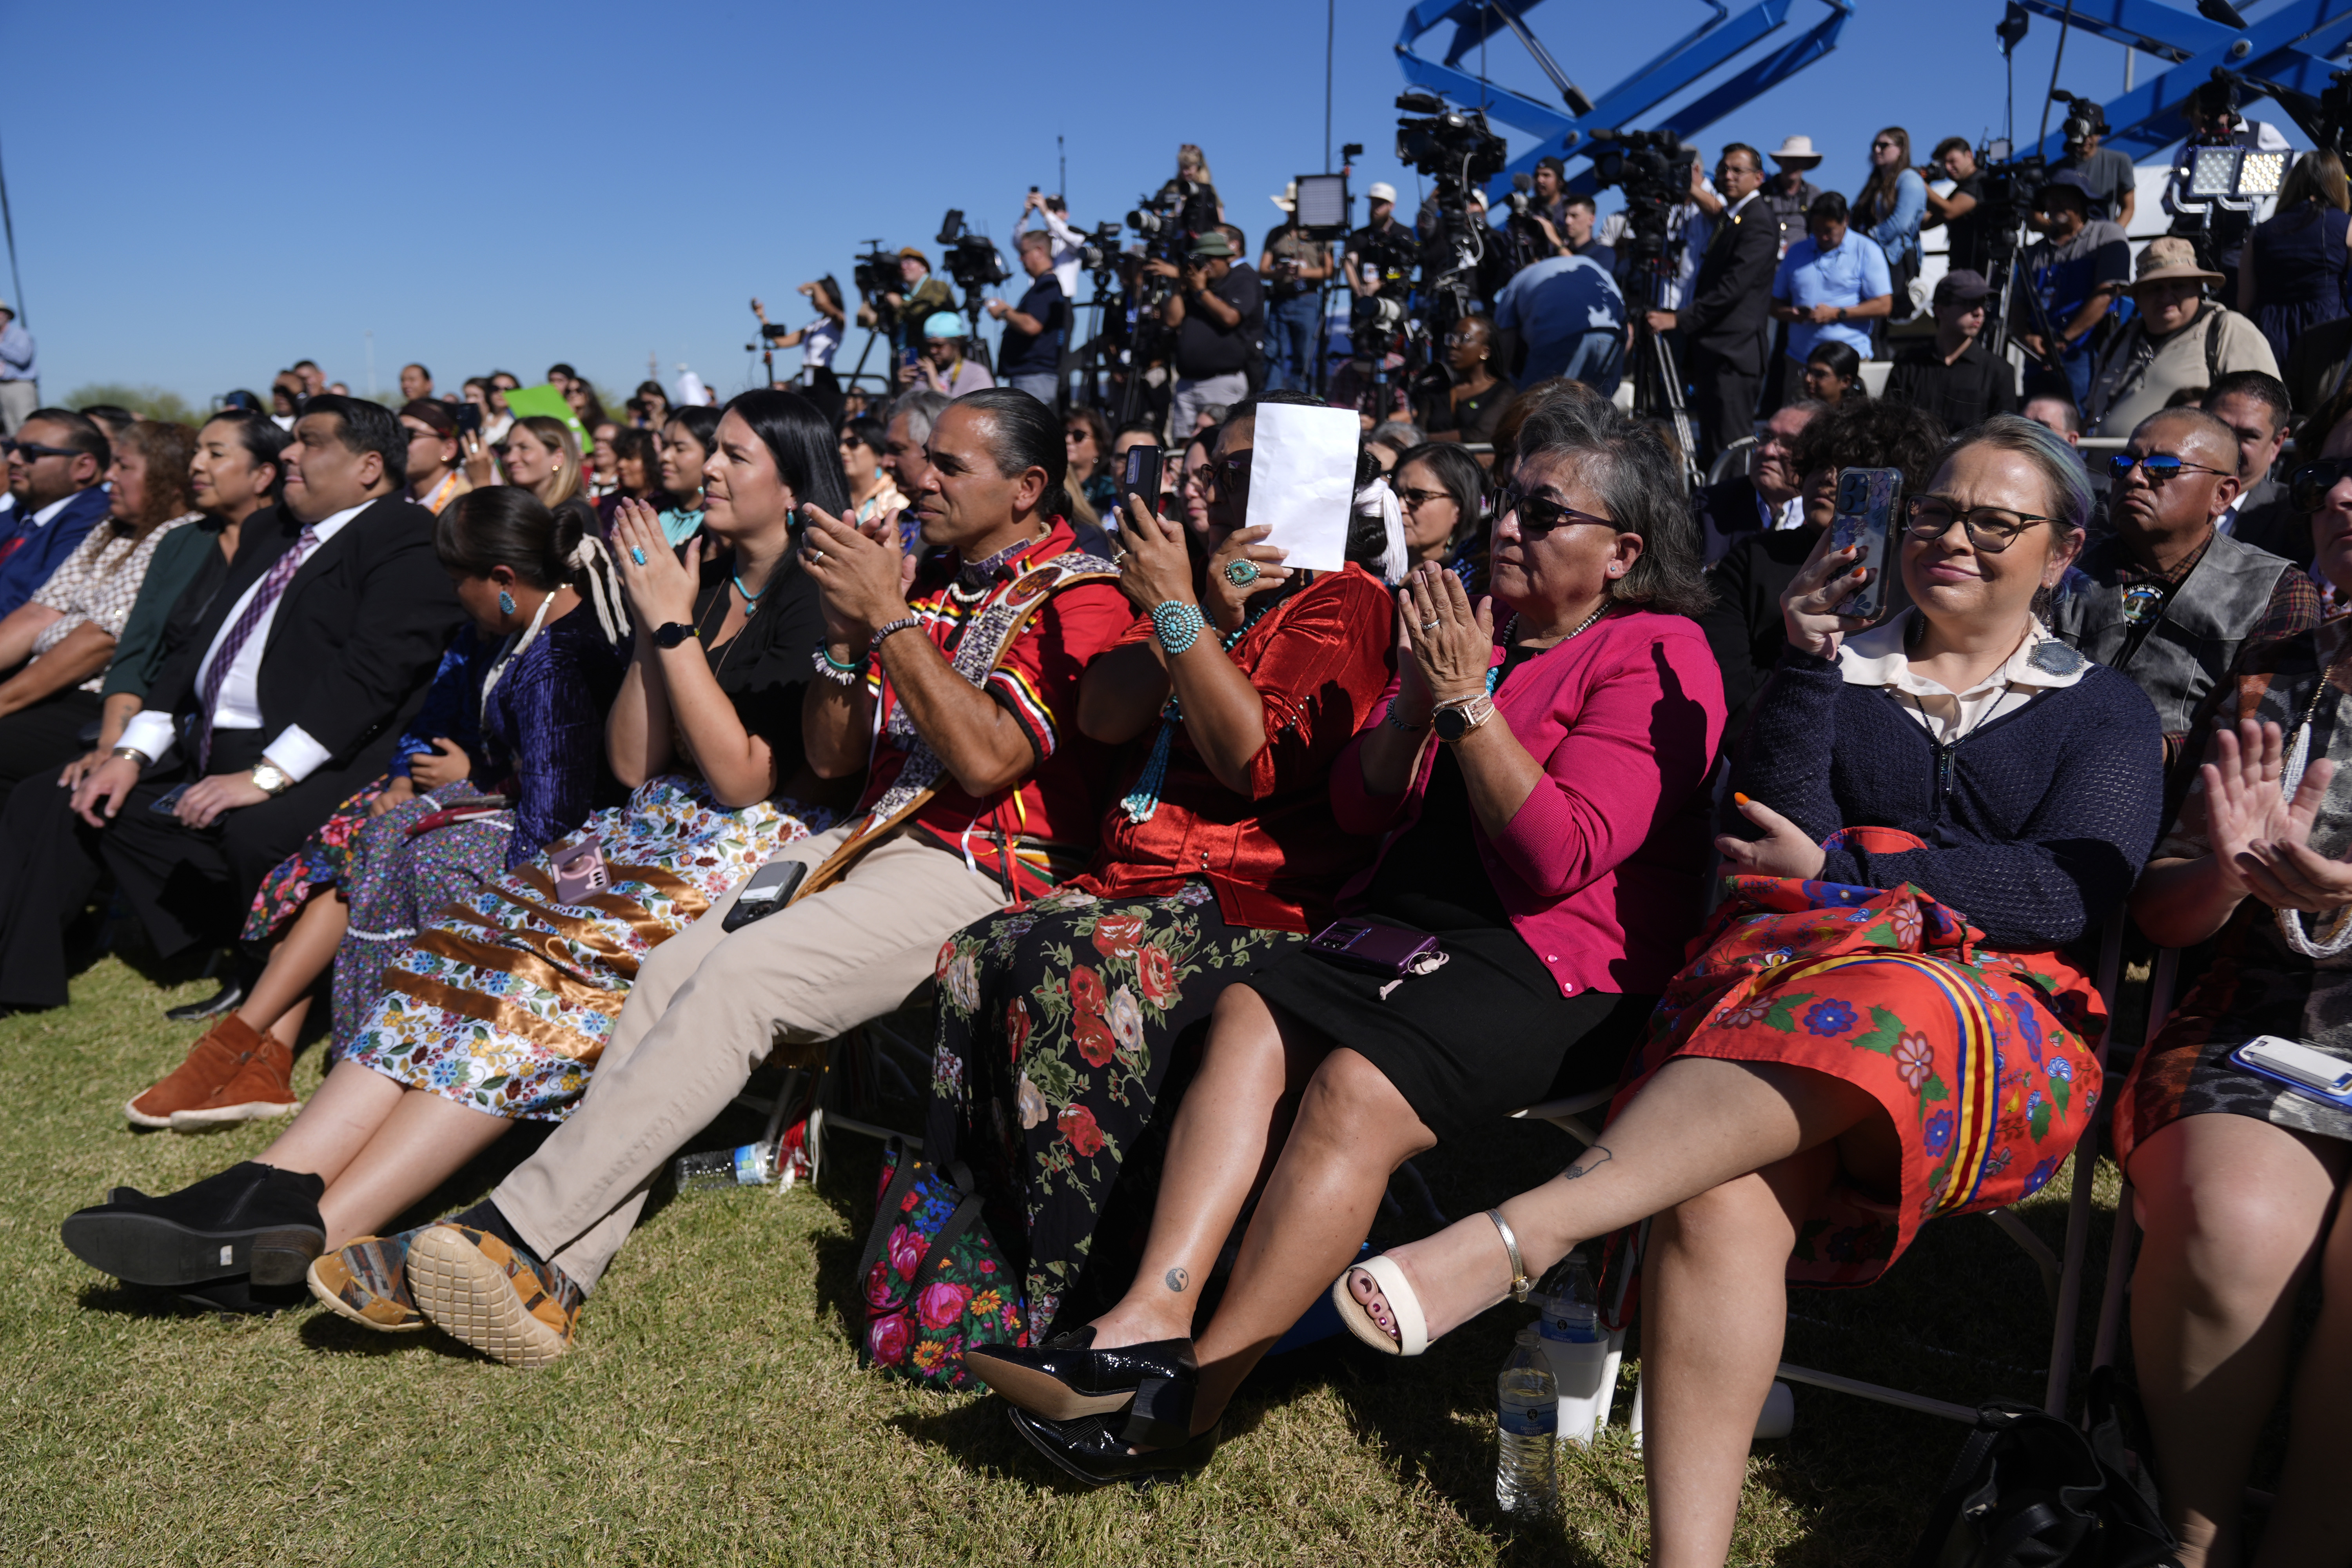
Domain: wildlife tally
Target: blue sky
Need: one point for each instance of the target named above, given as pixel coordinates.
(203, 194)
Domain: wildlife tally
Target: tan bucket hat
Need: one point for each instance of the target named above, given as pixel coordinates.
(2169, 256)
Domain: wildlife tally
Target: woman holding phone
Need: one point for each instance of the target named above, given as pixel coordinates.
(1061, 1020)
(499, 1011)
(1879, 1028)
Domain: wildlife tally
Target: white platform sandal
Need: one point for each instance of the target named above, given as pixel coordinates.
(1411, 1337)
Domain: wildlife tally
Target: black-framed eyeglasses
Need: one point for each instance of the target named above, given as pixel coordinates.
(2308, 485)
(32, 451)
(2158, 467)
(1990, 529)
(1539, 517)
(1414, 500)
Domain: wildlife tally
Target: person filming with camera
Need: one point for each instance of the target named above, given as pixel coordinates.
(943, 368)
(1381, 243)
(1030, 357)
(1217, 311)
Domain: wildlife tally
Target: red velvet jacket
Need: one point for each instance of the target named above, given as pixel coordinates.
(1601, 869)
(1275, 859)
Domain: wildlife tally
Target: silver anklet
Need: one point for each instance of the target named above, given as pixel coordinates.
(1520, 1284)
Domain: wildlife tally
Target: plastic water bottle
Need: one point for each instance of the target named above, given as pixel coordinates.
(749, 1166)
(1577, 1348)
(1527, 1417)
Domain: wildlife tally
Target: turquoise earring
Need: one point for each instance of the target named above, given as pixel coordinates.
(506, 602)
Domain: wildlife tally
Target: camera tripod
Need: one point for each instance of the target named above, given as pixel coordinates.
(2005, 246)
(1657, 379)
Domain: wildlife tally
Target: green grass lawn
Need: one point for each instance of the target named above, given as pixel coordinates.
(714, 1412)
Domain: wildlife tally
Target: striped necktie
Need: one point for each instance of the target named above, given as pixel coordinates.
(257, 611)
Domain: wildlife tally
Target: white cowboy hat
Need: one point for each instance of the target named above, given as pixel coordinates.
(1796, 152)
(1288, 200)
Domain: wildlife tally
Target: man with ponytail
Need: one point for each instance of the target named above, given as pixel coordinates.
(958, 679)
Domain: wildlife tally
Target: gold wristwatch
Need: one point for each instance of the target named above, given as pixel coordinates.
(271, 778)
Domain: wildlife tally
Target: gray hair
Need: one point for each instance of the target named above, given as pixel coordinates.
(2059, 464)
(922, 407)
(1034, 239)
(1639, 482)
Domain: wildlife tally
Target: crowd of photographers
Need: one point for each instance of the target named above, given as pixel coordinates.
(579, 763)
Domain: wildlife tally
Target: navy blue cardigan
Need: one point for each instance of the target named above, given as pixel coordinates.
(2040, 819)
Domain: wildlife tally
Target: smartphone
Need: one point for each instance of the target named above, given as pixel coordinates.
(469, 416)
(168, 803)
(2299, 1066)
(1140, 477)
(1377, 948)
(1868, 501)
(579, 871)
(771, 887)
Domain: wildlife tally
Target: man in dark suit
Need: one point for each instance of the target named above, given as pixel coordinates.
(1723, 318)
(1764, 498)
(2254, 406)
(56, 461)
(277, 708)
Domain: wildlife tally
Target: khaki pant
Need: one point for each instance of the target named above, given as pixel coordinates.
(706, 1009)
(18, 401)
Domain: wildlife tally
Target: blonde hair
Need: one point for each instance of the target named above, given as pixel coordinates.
(550, 431)
(1189, 154)
(2318, 176)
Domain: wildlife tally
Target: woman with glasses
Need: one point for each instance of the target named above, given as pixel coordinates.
(1443, 492)
(1061, 1020)
(1890, 207)
(1536, 776)
(1468, 410)
(2240, 1178)
(1879, 1028)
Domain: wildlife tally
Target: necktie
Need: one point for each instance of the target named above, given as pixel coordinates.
(257, 611)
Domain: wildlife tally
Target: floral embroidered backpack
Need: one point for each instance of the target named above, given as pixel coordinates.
(935, 1282)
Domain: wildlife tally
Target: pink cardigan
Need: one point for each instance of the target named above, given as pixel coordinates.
(1601, 869)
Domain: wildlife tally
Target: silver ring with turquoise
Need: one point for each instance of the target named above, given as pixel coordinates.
(637, 556)
(1241, 573)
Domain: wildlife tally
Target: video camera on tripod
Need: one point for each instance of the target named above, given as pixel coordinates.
(1455, 150)
(1652, 168)
(970, 260)
(876, 274)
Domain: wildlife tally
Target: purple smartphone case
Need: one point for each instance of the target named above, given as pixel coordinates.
(1374, 949)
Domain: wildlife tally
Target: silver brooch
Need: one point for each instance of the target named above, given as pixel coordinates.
(2052, 657)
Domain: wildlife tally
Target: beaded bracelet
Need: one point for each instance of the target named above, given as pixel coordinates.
(1393, 723)
(1177, 625)
(833, 669)
(874, 644)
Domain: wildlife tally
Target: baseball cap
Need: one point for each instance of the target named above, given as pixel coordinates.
(1381, 191)
(944, 324)
(1961, 283)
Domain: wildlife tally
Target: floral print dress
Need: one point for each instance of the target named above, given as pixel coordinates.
(1059, 1026)
(1985, 1061)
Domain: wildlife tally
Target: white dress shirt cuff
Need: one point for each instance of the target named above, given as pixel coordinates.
(148, 732)
(297, 755)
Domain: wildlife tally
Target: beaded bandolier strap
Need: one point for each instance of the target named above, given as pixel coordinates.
(994, 618)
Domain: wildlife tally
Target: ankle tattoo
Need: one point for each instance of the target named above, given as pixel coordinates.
(1584, 1164)
(1177, 1279)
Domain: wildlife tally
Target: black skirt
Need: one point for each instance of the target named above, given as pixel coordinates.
(1467, 1045)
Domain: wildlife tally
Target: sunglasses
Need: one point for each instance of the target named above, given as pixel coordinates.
(1415, 499)
(1227, 473)
(2307, 487)
(1990, 529)
(1539, 517)
(32, 450)
(2158, 467)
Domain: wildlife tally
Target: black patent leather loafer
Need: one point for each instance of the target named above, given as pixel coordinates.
(1065, 1379)
(1094, 1452)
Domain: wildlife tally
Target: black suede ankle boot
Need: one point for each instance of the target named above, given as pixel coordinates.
(251, 1220)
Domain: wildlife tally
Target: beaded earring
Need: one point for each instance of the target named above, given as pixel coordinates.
(506, 602)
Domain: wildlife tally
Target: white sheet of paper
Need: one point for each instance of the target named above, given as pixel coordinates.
(1303, 482)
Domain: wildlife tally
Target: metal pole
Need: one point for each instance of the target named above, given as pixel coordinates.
(1330, 31)
(371, 360)
(16, 279)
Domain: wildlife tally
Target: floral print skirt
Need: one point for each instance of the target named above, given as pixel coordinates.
(321, 862)
(1985, 1061)
(504, 1002)
(1061, 1026)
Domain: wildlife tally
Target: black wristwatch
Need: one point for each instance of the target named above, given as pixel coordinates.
(672, 635)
